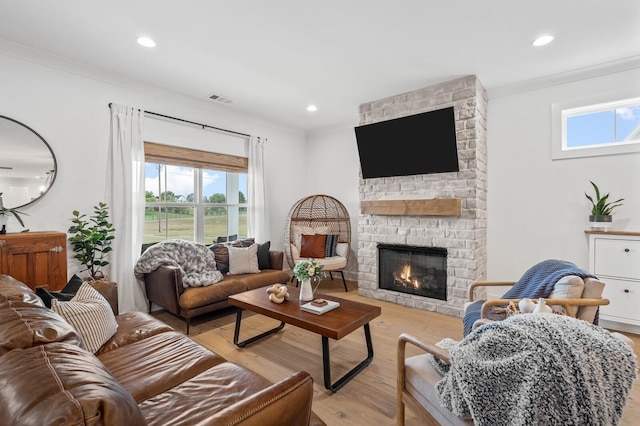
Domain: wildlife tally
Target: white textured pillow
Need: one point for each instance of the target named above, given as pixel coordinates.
(342, 249)
(90, 314)
(243, 260)
(569, 287)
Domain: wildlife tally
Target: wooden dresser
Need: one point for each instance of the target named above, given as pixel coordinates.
(38, 259)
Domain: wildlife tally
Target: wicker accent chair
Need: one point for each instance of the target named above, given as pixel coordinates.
(319, 214)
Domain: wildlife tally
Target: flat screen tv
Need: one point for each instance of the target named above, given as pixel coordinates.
(417, 144)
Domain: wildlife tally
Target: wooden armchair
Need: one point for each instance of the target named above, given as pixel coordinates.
(583, 307)
(416, 384)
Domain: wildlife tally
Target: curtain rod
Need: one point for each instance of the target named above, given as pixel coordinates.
(193, 122)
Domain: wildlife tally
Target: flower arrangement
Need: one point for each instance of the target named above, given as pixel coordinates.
(307, 269)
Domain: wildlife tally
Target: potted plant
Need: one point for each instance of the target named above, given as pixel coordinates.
(305, 271)
(601, 208)
(91, 239)
(5, 213)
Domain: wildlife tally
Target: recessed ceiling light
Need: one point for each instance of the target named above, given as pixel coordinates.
(312, 108)
(542, 40)
(146, 42)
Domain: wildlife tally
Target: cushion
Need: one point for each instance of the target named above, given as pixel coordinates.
(243, 260)
(73, 285)
(25, 325)
(298, 230)
(330, 245)
(568, 287)
(65, 294)
(221, 253)
(90, 314)
(243, 243)
(312, 245)
(62, 384)
(47, 296)
(593, 289)
(225, 239)
(342, 249)
(264, 260)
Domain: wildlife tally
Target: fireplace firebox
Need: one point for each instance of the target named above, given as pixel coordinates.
(413, 269)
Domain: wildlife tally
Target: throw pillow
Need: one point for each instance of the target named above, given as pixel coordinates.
(243, 260)
(90, 314)
(264, 260)
(65, 294)
(47, 296)
(221, 253)
(313, 246)
(225, 239)
(243, 243)
(568, 287)
(73, 285)
(330, 246)
(299, 230)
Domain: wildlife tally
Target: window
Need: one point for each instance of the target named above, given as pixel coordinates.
(597, 129)
(194, 195)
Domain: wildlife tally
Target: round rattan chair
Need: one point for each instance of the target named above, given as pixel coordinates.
(325, 215)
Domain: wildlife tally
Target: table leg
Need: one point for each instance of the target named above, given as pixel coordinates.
(236, 333)
(326, 362)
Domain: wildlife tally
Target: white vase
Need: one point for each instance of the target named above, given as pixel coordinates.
(526, 306)
(542, 307)
(306, 292)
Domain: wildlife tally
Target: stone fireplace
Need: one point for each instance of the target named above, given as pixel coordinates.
(443, 211)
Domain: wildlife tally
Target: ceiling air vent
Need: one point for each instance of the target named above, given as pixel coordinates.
(220, 99)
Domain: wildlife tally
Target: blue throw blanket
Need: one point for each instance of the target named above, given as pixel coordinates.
(537, 282)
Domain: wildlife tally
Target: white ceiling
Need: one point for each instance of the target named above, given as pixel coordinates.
(272, 58)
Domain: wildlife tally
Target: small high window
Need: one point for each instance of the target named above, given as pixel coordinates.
(597, 129)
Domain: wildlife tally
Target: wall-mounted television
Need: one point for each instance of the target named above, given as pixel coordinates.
(414, 145)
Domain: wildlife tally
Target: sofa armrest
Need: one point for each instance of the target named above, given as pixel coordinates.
(276, 258)
(164, 287)
(287, 402)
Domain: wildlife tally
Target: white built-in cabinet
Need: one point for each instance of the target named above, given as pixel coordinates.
(614, 257)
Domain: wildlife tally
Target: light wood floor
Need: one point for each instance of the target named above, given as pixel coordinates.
(369, 399)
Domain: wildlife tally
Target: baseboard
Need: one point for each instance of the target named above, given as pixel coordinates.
(619, 326)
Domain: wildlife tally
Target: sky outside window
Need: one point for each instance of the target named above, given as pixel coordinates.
(603, 127)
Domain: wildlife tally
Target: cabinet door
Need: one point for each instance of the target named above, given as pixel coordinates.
(36, 259)
(624, 298)
(617, 258)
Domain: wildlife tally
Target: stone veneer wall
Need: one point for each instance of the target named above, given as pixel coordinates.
(465, 236)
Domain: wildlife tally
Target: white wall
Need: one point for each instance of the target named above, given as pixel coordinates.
(333, 168)
(67, 106)
(536, 207)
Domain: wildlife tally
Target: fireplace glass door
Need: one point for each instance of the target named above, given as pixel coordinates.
(413, 269)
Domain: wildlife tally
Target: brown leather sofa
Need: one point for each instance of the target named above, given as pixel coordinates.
(147, 373)
(165, 288)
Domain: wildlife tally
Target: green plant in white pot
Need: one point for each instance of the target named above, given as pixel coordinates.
(601, 209)
(91, 240)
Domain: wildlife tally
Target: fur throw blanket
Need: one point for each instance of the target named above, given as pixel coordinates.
(541, 369)
(196, 262)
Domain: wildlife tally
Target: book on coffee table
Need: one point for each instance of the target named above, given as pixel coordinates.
(319, 310)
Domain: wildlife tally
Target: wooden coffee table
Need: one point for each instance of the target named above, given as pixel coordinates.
(334, 324)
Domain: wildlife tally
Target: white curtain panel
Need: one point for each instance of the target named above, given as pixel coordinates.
(258, 211)
(125, 198)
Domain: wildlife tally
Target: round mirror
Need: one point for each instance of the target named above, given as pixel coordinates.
(27, 164)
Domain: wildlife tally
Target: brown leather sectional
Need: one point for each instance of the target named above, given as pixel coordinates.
(164, 288)
(147, 373)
